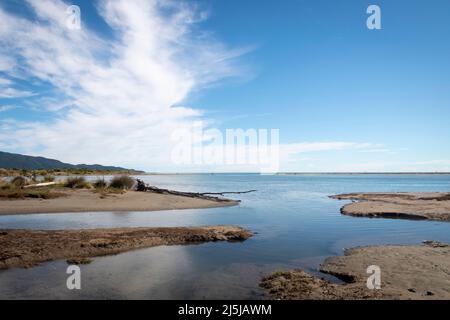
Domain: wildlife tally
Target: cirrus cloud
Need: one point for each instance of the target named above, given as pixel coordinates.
(117, 93)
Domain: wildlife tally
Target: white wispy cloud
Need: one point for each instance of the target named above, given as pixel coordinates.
(5, 62)
(119, 91)
(4, 82)
(6, 108)
(11, 93)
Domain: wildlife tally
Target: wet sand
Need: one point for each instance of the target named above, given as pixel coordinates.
(87, 200)
(407, 205)
(407, 272)
(27, 248)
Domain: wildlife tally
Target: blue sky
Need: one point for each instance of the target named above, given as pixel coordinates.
(345, 98)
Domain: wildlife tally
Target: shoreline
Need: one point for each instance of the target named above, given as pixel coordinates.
(137, 173)
(27, 248)
(81, 200)
(407, 272)
(411, 272)
(403, 205)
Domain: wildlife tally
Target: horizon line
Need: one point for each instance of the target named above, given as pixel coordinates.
(300, 172)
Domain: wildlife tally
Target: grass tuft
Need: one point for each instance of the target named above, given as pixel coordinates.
(122, 182)
(19, 182)
(16, 193)
(76, 183)
(100, 184)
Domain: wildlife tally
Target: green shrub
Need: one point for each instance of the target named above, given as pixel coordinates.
(122, 182)
(76, 182)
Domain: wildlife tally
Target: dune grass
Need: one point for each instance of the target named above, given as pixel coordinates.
(19, 182)
(10, 190)
(76, 183)
(63, 172)
(14, 188)
(122, 182)
(100, 184)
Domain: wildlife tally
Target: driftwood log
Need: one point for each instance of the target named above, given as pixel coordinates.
(141, 186)
(37, 185)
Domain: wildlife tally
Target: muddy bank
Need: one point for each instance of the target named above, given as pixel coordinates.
(407, 272)
(406, 205)
(87, 200)
(26, 248)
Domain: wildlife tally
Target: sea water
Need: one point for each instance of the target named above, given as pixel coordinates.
(296, 224)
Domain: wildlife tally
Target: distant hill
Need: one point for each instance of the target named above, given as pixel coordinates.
(19, 161)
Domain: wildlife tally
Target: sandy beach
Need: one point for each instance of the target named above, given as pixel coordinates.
(407, 272)
(26, 248)
(82, 200)
(407, 205)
